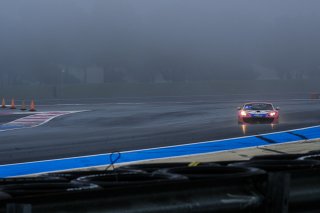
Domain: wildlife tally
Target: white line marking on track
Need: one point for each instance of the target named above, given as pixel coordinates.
(181, 145)
(34, 120)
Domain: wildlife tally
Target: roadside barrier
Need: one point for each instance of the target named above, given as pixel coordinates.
(74, 175)
(152, 167)
(277, 157)
(311, 157)
(292, 186)
(33, 189)
(118, 179)
(26, 180)
(213, 172)
(279, 165)
(264, 185)
(314, 152)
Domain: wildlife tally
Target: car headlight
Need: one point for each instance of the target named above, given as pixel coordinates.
(272, 114)
(243, 113)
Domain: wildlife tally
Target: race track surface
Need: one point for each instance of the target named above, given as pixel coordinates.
(112, 125)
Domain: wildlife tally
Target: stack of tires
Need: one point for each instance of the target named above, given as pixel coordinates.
(269, 183)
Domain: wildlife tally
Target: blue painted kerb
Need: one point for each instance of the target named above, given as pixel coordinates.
(29, 168)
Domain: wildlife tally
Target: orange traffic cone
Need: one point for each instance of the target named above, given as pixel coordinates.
(32, 106)
(13, 106)
(23, 106)
(3, 104)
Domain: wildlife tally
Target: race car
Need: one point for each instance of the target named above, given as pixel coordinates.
(258, 113)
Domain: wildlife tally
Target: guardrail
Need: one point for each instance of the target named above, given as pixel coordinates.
(265, 184)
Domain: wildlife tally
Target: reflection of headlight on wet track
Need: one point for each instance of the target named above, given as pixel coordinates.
(244, 129)
(272, 126)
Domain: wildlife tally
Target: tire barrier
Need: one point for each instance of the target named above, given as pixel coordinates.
(277, 157)
(213, 172)
(40, 185)
(311, 157)
(298, 180)
(283, 183)
(124, 179)
(26, 180)
(74, 175)
(156, 166)
(314, 152)
(30, 189)
(280, 165)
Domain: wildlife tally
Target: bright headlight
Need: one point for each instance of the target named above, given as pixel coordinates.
(243, 113)
(272, 114)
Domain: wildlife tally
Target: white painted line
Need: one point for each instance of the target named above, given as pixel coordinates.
(29, 122)
(228, 139)
(138, 161)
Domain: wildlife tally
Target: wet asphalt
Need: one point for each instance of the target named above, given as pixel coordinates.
(125, 124)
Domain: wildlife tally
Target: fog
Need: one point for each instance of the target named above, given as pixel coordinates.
(154, 41)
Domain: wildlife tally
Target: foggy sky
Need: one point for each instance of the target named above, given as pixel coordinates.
(189, 39)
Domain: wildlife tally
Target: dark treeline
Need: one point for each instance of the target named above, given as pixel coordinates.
(54, 41)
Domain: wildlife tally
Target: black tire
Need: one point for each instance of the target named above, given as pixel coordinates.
(126, 179)
(277, 157)
(280, 165)
(151, 167)
(214, 172)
